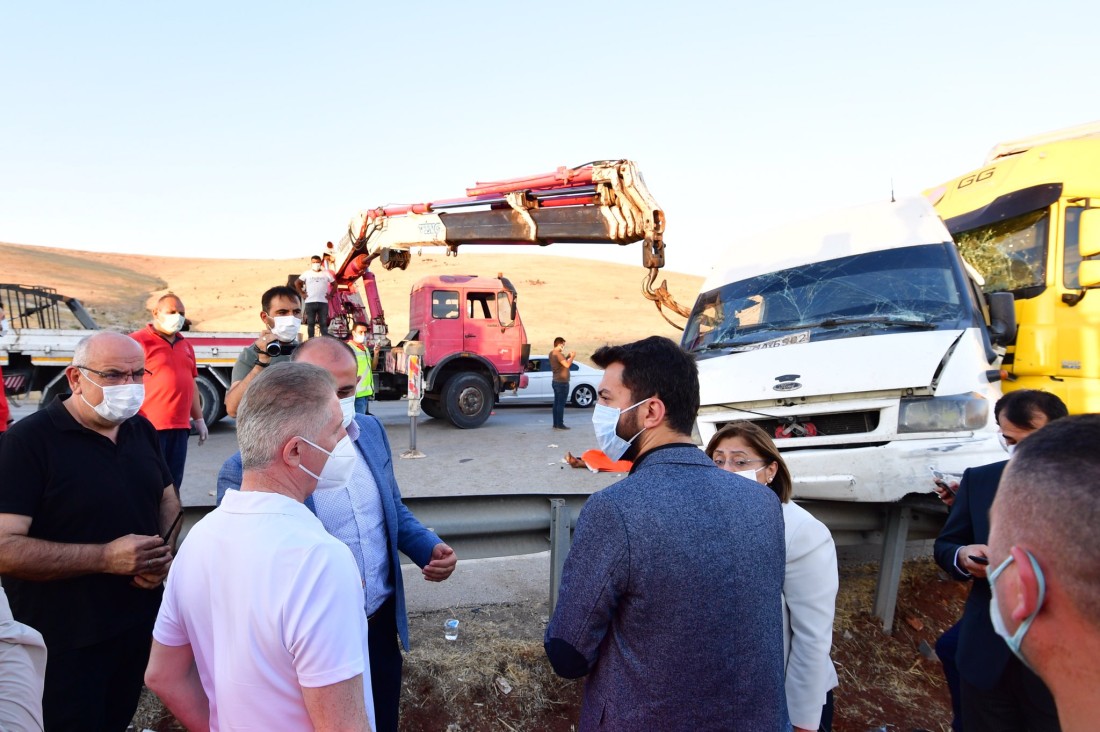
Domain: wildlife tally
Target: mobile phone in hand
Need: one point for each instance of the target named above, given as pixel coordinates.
(945, 480)
(978, 560)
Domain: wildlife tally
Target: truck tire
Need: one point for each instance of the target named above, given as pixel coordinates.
(584, 396)
(211, 398)
(467, 400)
(432, 407)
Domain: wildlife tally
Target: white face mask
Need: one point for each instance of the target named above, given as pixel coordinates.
(286, 327)
(359, 337)
(169, 323)
(750, 473)
(347, 408)
(1004, 445)
(337, 471)
(316, 266)
(119, 403)
(1014, 640)
(605, 421)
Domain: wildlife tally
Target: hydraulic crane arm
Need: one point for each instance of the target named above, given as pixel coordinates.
(604, 202)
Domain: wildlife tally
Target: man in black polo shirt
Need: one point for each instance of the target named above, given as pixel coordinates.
(85, 497)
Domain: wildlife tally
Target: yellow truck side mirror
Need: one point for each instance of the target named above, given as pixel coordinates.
(1088, 245)
(1088, 233)
(1088, 273)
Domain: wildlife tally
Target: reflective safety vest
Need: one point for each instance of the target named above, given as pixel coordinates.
(365, 385)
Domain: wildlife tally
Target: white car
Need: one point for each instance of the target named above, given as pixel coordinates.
(584, 382)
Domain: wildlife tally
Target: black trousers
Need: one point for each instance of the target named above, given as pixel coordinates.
(96, 687)
(1020, 702)
(316, 317)
(384, 648)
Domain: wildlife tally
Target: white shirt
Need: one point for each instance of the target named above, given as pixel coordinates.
(316, 284)
(354, 515)
(269, 603)
(809, 603)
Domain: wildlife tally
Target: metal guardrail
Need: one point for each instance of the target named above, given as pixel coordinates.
(505, 525)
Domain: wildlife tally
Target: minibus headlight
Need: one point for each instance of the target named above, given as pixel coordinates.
(961, 413)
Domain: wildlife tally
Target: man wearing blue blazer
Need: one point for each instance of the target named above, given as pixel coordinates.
(368, 515)
(670, 598)
(998, 693)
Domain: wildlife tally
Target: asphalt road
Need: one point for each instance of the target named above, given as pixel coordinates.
(516, 451)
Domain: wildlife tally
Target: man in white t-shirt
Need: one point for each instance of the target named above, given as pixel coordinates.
(314, 284)
(262, 623)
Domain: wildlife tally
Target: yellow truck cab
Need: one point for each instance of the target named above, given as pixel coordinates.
(1029, 221)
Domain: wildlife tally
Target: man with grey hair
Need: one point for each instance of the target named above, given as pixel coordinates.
(1045, 580)
(369, 516)
(86, 500)
(262, 623)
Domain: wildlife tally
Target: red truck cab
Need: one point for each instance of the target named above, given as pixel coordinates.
(474, 344)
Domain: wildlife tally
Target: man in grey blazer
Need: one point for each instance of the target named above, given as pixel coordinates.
(670, 598)
(369, 516)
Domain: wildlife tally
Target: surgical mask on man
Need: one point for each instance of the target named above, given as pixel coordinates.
(286, 327)
(359, 338)
(120, 402)
(1014, 640)
(169, 323)
(316, 266)
(1004, 444)
(347, 408)
(605, 421)
(337, 471)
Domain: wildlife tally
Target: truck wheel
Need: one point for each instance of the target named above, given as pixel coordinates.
(467, 399)
(211, 398)
(583, 397)
(432, 407)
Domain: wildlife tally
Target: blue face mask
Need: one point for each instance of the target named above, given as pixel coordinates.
(605, 421)
(1014, 640)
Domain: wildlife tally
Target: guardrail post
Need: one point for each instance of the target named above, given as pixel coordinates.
(889, 572)
(560, 520)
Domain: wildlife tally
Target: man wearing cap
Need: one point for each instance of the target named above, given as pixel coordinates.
(172, 403)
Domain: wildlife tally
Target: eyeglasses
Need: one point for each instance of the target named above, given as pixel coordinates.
(738, 462)
(114, 378)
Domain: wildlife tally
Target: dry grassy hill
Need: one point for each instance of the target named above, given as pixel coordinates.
(589, 303)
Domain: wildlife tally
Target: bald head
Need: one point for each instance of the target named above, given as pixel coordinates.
(1049, 503)
(106, 345)
(334, 356)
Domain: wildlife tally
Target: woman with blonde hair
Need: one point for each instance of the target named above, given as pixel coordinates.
(810, 583)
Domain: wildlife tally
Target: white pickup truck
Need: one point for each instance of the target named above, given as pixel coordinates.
(862, 342)
(35, 348)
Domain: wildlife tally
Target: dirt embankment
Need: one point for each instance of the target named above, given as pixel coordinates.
(587, 302)
(496, 678)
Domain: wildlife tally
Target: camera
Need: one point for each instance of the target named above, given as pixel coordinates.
(278, 348)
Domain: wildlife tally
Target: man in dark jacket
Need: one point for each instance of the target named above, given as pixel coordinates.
(998, 693)
(670, 598)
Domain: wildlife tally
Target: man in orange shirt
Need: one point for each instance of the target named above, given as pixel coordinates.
(172, 401)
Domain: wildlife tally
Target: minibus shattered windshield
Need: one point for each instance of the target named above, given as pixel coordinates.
(894, 289)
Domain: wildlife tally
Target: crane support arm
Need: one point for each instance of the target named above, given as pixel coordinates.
(604, 202)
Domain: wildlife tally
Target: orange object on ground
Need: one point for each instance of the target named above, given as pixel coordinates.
(597, 460)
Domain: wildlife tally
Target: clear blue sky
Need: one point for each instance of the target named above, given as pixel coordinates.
(257, 129)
